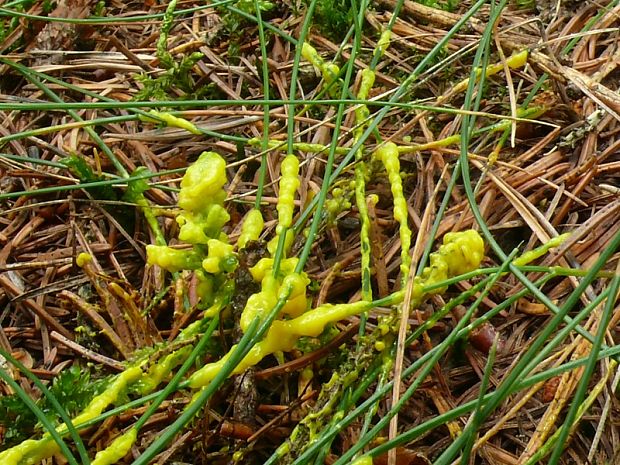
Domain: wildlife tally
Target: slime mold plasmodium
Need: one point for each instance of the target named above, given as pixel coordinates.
(202, 200)
(388, 155)
(201, 220)
(155, 116)
(460, 253)
(251, 228)
(329, 71)
(289, 183)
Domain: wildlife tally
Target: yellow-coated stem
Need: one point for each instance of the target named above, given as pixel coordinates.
(384, 42)
(366, 83)
(30, 451)
(515, 61)
(360, 201)
(282, 336)
(109, 396)
(157, 372)
(170, 120)
(388, 155)
(504, 125)
(119, 448)
(361, 116)
(297, 146)
(329, 71)
(538, 252)
(289, 183)
(251, 229)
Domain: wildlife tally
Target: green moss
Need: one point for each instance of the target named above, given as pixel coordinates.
(446, 5)
(334, 17)
(73, 388)
(179, 77)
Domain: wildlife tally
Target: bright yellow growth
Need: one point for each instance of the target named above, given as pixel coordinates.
(338, 203)
(388, 155)
(361, 112)
(202, 199)
(202, 219)
(198, 228)
(172, 259)
(160, 370)
(297, 302)
(289, 183)
(82, 259)
(368, 80)
(292, 288)
(170, 120)
(460, 253)
(265, 265)
(202, 183)
(272, 245)
(218, 250)
(31, 452)
(259, 304)
(109, 396)
(384, 42)
(503, 125)
(517, 60)
(363, 460)
(538, 252)
(282, 336)
(117, 450)
(297, 146)
(514, 61)
(251, 229)
(329, 71)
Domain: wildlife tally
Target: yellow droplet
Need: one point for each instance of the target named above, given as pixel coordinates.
(83, 258)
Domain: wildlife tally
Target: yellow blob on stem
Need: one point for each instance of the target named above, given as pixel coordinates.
(251, 229)
(538, 252)
(289, 183)
(83, 258)
(170, 120)
(202, 182)
(329, 71)
(119, 448)
(388, 155)
(282, 336)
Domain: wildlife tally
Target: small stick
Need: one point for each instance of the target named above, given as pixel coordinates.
(92, 313)
(87, 353)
